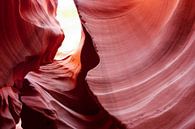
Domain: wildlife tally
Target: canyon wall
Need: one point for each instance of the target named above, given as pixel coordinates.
(134, 67)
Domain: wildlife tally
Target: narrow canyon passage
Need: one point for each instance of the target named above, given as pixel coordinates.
(93, 64)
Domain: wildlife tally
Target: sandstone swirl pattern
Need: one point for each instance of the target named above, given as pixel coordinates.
(29, 36)
(147, 55)
(141, 75)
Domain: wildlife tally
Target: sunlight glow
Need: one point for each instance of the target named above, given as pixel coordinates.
(70, 23)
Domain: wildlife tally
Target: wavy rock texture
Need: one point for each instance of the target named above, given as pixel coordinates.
(144, 75)
(59, 94)
(147, 55)
(29, 36)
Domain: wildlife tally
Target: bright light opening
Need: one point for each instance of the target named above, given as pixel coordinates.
(68, 18)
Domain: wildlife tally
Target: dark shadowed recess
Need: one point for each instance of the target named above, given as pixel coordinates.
(86, 103)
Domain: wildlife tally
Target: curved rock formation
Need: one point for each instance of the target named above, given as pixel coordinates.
(29, 36)
(141, 73)
(147, 55)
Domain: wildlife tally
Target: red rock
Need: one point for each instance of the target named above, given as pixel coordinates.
(141, 73)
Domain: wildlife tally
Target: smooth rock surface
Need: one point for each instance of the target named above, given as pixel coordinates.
(138, 57)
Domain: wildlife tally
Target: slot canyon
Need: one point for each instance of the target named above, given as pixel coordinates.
(97, 64)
